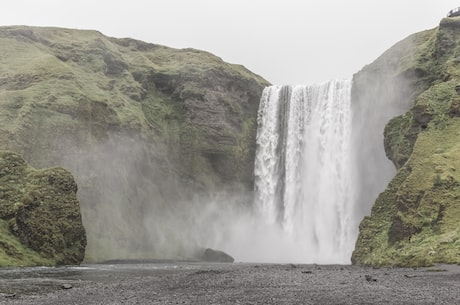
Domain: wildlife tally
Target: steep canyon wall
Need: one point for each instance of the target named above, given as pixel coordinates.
(414, 221)
(144, 128)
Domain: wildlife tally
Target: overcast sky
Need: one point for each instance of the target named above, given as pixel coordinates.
(286, 42)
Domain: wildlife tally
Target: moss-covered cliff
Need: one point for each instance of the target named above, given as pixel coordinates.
(40, 221)
(141, 127)
(415, 221)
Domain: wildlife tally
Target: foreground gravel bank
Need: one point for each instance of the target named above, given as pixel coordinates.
(188, 283)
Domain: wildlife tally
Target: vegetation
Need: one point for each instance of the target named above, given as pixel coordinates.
(40, 222)
(141, 126)
(414, 222)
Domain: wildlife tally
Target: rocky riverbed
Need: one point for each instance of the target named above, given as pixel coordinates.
(196, 283)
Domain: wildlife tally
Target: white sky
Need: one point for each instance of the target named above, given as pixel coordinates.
(286, 42)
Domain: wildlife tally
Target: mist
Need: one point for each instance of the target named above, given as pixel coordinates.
(134, 207)
(136, 204)
(381, 91)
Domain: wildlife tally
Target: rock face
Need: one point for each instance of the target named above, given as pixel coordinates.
(382, 90)
(40, 221)
(414, 222)
(140, 126)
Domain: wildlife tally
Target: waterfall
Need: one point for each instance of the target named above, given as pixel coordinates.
(303, 179)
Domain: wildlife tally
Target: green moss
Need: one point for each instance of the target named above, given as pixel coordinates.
(72, 97)
(399, 138)
(414, 222)
(40, 220)
(14, 253)
(192, 92)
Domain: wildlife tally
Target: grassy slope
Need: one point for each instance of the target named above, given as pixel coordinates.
(79, 84)
(134, 122)
(414, 222)
(14, 253)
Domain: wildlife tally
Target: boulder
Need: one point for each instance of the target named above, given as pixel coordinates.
(39, 215)
(216, 256)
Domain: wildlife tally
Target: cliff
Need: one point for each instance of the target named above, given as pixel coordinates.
(141, 126)
(414, 221)
(40, 221)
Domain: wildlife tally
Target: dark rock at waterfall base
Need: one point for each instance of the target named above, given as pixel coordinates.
(216, 256)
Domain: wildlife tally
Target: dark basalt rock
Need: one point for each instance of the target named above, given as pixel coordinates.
(216, 256)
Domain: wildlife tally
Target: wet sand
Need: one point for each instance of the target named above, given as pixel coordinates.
(195, 283)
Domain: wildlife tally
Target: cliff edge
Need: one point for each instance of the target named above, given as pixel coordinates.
(415, 220)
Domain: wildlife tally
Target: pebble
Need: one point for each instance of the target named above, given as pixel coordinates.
(369, 278)
(66, 286)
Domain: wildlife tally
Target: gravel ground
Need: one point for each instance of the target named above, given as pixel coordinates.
(188, 283)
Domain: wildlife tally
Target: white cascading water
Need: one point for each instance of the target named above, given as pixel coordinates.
(303, 168)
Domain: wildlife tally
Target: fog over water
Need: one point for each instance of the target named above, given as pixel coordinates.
(298, 215)
(319, 166)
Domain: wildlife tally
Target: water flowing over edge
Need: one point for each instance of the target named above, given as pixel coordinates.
(303, 179)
